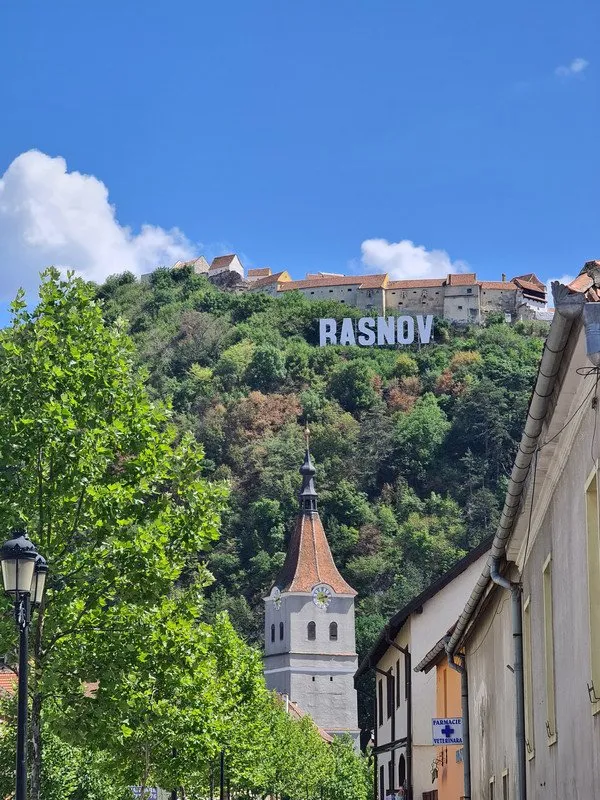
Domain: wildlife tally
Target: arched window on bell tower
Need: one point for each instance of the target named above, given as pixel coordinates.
(333, 632)
(281, 631)
(311, 631)
(272, 633)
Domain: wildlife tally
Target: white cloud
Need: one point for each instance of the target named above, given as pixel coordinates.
(406, 260)
(49, 216)
(576, 67)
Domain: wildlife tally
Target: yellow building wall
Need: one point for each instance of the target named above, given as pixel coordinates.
(450, 774)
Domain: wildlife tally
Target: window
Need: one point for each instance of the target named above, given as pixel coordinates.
(272, 633)
(397, 683)
(390, 695)
(381, 782)
(528, 678)
(505, 785)
(380, 702)
(311, 631)
(313, 677)
(281, 631)
(349, 290)
(460, 308)
(593, 537)
(401, 770)
(469, 291)
(491, 792)
(549, 652)
(391, 777)
(331, 290)
(331, 678)
(406, 677)
(333, 632)
(312, 292)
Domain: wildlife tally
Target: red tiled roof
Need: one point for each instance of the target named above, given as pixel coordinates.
(362, 281)
(222, 261)
(259, 273)
(309, 560)
(588, 281)
(462, 279)
(8, 681)
(277, 278)
(527, 286)
(424, 283)
(530, 278)
(508, 285)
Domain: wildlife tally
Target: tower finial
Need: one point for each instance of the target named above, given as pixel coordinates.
(308, 493)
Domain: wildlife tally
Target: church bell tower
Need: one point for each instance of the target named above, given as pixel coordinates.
(310, 645)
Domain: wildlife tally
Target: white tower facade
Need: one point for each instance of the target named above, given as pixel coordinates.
(310, 643)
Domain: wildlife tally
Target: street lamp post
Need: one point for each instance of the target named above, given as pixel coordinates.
(24, 575)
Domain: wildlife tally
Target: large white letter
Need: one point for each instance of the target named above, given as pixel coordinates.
(386, 330)
(406, 330)
(366, 327)
(327, 331)
(424, 325)
(347, 334)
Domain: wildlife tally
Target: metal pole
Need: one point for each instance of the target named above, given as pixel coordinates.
(22, 612)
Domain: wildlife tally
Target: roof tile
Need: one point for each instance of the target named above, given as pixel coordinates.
(222, 261)
(424, 283)
(462, 279)
(309, 560)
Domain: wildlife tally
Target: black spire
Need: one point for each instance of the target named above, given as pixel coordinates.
(308, 493)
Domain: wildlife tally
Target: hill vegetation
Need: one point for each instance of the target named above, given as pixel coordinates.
(412, 445)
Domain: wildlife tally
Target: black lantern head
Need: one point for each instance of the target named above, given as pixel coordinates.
(18, 556)
(38, 583)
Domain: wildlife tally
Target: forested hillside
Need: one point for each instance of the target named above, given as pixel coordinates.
(411, 445)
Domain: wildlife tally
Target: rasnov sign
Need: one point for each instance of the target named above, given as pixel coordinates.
(376, 330)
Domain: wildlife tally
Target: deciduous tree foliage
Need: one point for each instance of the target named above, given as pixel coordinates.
(129, 686)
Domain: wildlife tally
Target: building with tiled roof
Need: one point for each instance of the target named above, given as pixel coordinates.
(228, 263)
(458, 297)
(310, 646)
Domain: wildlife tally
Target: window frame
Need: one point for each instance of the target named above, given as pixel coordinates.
(311, 631)
(333, 631)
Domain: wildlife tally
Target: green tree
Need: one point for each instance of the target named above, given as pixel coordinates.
(352, 385)
(95, 472)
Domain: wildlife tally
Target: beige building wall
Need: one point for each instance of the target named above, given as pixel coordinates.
(420, 300)
(563, 759)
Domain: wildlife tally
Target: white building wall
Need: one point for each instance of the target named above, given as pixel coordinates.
(421, 632)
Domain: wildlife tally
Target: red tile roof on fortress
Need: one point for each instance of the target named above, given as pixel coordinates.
(424, 283)
(259, 273)
(530, 278)
(362, 281)
(528, 286)
(279, 277)
(222, 261)
(508, 285)
(309, 560)
(462, 279)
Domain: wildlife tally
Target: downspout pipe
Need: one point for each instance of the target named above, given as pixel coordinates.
(515, 590)
(466, 730)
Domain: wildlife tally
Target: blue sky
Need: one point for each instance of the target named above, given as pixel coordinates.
(292, 133)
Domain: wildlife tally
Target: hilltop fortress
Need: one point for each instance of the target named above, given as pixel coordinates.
(460, 298)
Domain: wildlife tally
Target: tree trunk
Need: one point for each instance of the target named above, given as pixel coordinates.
(36, 711)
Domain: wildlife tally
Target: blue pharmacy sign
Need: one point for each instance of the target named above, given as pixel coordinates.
(149, 793)
(447, 731)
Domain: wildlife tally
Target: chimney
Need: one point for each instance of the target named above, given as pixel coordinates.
(504, 277)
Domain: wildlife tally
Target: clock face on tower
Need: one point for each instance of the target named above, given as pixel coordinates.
(321, 595)
(276, 596)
